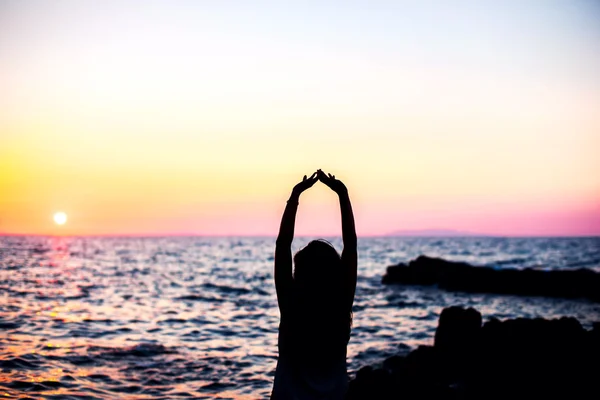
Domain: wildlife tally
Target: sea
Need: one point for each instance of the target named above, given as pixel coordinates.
(197, 317)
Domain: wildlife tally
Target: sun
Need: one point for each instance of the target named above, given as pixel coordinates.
(60, 218)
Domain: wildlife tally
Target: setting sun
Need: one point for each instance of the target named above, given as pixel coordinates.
(60, 218)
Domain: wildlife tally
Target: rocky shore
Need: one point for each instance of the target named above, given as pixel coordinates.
(458, 276)
(515, 358)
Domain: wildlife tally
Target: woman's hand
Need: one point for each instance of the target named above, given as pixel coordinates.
(305, 184)
(334, 184)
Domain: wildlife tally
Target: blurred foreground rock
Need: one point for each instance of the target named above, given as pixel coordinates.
(457, 276)
(512, 359)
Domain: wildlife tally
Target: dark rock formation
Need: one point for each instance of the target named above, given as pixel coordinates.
(516, 359)
(458, 276)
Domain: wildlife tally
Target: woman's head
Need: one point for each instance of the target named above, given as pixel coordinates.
(318, 268)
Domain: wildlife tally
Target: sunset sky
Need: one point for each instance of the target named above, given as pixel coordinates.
(182, 117)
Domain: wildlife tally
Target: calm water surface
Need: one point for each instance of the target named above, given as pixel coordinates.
(168, 318)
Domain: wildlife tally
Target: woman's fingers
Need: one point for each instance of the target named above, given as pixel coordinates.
(307, 182)
(327, 178)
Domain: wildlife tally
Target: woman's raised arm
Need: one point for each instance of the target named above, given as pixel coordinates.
(350, 252)
(283, 245)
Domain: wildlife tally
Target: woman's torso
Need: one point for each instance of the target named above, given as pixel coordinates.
(312, 356)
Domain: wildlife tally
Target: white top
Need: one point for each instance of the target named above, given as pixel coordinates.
(304, 385)
(321, 380)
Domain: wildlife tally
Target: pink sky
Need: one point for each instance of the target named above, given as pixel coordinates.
(189, 119)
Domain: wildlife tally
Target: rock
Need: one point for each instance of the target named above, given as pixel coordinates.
(516, 358)
(458, 276)
(457, 328)
(457, 339)
(370, 383)
(394, 364)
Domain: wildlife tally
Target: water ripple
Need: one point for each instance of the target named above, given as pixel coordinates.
(179, 318)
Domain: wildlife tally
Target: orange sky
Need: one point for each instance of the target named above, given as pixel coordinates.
(188, 119)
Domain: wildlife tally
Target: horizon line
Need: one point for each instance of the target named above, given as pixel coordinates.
(233, 235)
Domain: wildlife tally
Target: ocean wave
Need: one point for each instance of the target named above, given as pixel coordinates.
(200, 319)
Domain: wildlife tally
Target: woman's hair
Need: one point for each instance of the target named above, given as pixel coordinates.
(318, 266)
(321, 295)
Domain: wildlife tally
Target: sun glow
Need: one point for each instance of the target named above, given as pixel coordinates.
(60, 218)
(477, 119)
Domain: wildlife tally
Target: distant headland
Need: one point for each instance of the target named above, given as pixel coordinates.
(435, 233)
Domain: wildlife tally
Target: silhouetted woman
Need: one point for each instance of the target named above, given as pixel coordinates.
(315, 303)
